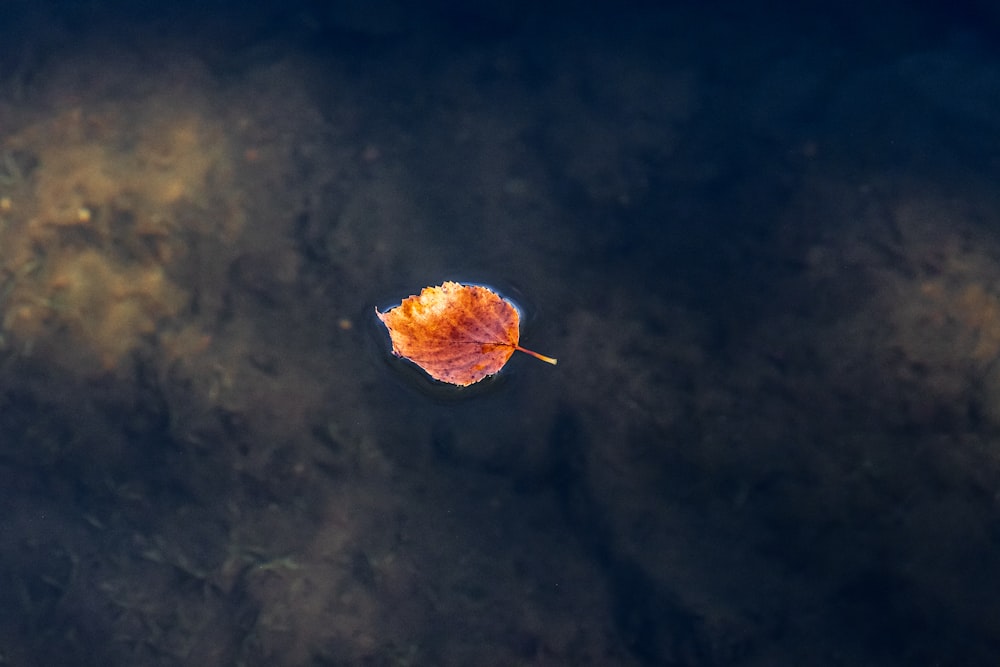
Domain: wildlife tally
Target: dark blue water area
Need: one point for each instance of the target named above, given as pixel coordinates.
(760, 237)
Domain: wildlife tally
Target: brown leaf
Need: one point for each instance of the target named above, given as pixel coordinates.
(457, 333)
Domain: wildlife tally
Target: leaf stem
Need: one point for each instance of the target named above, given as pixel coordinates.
(548, 360)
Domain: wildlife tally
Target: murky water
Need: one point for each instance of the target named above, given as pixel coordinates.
(760, 240)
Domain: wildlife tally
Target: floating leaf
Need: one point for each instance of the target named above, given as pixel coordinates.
(457, 333)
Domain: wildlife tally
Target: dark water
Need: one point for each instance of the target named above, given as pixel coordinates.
(761, 238)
